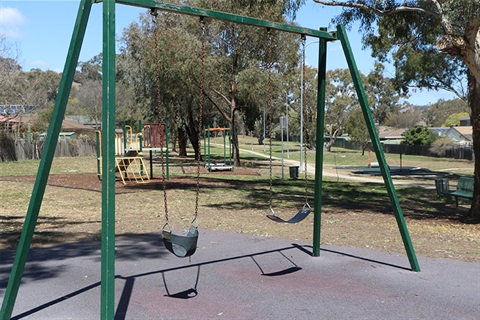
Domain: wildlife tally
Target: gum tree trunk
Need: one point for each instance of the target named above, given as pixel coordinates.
(474, 101)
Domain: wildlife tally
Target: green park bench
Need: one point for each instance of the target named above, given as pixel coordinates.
(464, 188)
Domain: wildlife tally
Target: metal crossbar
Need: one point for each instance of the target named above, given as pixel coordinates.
(218, 15)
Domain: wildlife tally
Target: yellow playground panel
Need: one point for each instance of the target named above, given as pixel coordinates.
(129, 148)
(132, 169)
(129, 164)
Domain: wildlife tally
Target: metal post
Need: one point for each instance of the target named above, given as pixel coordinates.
(46, 161)
(264, 137)
(204, 148)
(98, 151)
(140, 137)
(367, 114)
(286, 119)
(107, 302)
(167, 153)
(282, 124)
(301, 109)
(208, 137)
(230, 153)
(125, 137)
(224, 147)
(151, 163)
(317, 212)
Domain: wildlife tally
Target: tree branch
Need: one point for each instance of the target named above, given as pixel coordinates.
(224, 114)
(222, 95)
(379, 12)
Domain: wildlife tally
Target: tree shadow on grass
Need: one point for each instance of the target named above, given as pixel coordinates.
(12, 228)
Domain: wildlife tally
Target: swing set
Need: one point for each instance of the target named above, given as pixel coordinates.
(179, 245)
(227, 164)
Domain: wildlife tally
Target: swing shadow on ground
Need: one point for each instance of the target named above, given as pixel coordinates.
(86, 249)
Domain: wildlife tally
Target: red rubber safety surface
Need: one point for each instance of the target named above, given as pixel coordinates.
(234, 276)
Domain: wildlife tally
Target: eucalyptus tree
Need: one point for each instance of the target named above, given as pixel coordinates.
(382, 96)
(244, 55)
(436, 114)
(433, 44)
(40, 88)
(405, 119)
(233, 76)
(89, 96)
(90, 70)
(160, 59)
(10, 71)
(340, 98)
(356, 127)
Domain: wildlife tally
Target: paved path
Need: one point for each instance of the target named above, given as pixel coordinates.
(242, 277)
(336, 174)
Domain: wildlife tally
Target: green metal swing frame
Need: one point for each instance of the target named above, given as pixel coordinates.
(107, 308)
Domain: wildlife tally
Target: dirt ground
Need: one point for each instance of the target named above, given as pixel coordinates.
(71, 211)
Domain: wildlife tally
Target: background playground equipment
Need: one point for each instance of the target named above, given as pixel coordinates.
(207, 162)
(129, 148)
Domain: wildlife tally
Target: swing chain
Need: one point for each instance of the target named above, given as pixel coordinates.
(200, 120)
(305, 113)
(270, 111)
(160, 112)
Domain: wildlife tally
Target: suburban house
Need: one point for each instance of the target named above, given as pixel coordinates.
(70, 129)
(464, 122)
(462, 135)
(440, 131)
(389, 135)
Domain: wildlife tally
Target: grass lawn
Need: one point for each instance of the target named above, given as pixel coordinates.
(355, 213)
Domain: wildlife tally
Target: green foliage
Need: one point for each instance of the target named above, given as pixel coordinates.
(437, 114)
(90, 70)
(405, 119)
(408, 40)
(454, 119)
(342, 102)
(382, 96)
(356, 127)
(419, 136)
(441, 146)
(42, 120)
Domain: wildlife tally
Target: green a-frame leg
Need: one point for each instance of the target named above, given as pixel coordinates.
(46, 161)
(108, 126)
(387, 178)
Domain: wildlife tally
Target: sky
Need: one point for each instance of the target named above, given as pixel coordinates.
(42, 31)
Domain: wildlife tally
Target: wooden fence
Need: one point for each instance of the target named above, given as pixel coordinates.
(20, 150)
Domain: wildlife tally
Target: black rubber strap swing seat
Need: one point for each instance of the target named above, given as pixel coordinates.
(300, 216)
(180, 245)
(306, 210)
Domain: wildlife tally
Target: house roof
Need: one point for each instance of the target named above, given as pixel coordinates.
(72, 125)
(440, 129)
(465, 131)
(66, 124)
(390, 133)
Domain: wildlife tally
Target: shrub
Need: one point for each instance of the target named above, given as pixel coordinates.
(7, 147)
(441, 146)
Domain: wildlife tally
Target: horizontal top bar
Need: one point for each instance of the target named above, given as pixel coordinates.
(230, 17)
